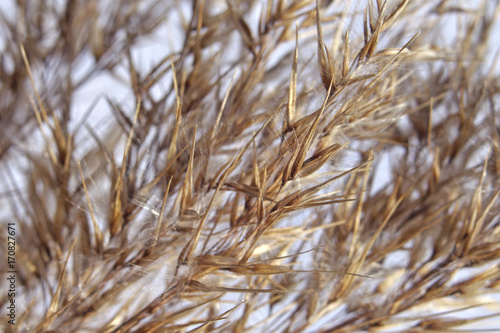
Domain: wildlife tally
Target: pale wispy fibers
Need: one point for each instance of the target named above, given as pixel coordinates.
(280, 166)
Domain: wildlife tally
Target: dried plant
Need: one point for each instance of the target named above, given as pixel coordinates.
(280, 166)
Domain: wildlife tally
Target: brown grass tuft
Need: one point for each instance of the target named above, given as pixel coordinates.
(269, 166)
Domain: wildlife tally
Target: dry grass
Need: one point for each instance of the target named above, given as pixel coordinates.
(288, 166)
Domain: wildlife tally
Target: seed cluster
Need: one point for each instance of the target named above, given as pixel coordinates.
(279, 166)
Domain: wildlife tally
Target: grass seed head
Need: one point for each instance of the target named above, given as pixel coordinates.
(277, 166)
